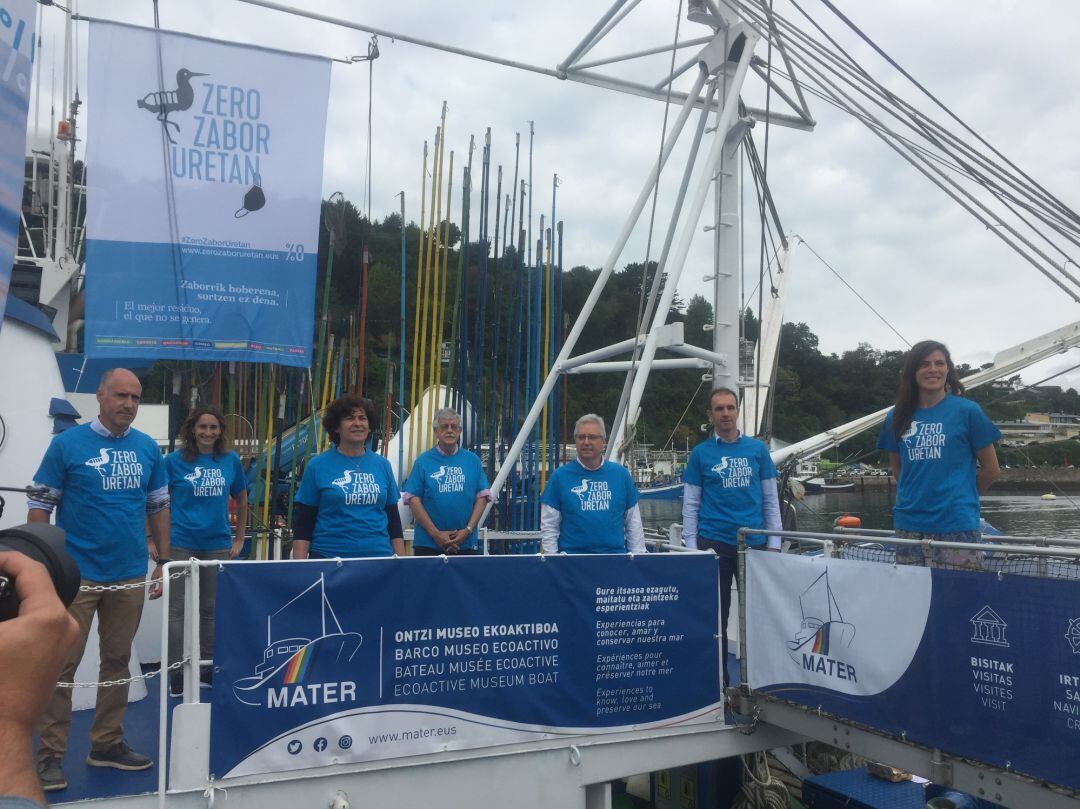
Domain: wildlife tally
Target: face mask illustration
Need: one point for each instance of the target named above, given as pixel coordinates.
(254, 199)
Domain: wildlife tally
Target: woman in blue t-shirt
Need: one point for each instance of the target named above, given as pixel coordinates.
(347, 502)
(941, 450)
(203, 477)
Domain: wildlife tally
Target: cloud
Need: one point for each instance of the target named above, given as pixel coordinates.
(1005, 66)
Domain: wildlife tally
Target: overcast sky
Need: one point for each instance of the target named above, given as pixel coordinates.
(1007, 67)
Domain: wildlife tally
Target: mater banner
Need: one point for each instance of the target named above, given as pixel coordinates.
(16, 69)
(203, 197)
(323, 663)
(977, 665)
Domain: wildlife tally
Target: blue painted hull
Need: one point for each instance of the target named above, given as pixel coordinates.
(669, 491)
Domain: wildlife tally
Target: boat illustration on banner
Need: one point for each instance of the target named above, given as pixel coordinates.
(823, 625)
(294, 646)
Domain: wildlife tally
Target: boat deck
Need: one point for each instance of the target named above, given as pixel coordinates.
(141, 731)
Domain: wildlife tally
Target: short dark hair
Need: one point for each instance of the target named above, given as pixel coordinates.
(187, 432)
(726, 392)
(340, 408)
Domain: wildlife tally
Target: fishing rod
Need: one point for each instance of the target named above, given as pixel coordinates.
(512, 323)
(545, 419)
(457, 348)
(430, 287)
(538, 374)
(564, 401)
(522, 290)
(413, 372)
(440, 309)
(401, 353)
(497, 391)
(480, 310)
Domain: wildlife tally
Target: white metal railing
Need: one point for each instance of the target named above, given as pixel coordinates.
(180, 752)
(1055, 558)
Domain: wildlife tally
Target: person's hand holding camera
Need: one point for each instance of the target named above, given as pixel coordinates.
(33, 646)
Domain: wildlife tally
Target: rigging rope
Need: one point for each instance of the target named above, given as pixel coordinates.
(762, 790)
(686, 409)
(1064, 208)
(855, 292)
(920, 123)
(965, 199)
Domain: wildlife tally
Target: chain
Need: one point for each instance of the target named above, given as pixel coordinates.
(111, 588)
(747, 729)
(126, 681)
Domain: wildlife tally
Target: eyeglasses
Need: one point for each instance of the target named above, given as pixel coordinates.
(591, 437)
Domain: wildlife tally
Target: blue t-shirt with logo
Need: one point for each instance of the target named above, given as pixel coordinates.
(447, 486)
(104, 482)
(199, 492)
(730, 476)
(351, 495)
(936, 493)
(593, 505)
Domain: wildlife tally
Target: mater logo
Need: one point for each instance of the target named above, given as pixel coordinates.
(304, 642)
(823, 634)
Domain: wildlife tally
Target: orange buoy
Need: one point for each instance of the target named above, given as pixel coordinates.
(848, 521)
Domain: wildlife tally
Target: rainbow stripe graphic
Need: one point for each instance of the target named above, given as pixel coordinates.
(821, 640)
(299, 664)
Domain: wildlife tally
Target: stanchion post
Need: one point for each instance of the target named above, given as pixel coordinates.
(163, 762)
(742, 613)
(192, 648)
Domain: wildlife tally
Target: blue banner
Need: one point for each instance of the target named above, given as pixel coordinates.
(979, 665)
(203, 202)
(323, 663)
(16, 69)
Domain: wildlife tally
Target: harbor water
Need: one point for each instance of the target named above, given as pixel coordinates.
(1013, 513)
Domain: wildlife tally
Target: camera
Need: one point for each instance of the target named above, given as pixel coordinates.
(43, 543)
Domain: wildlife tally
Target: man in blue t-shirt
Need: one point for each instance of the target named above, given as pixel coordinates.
(591, 505)
(729, 483)
(447, 492)
(108, 479)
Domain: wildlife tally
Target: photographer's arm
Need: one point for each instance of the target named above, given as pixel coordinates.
(33, 646)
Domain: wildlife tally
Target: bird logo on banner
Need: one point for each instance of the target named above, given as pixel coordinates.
(163, 102)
